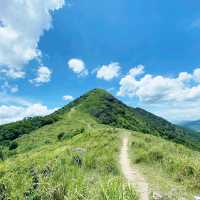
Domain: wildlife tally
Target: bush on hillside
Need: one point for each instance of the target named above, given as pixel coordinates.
(76, 160)
(64, 136)
(1, 155)
(3, 195)
(60, 135)
(141, 156)
(79, 131)
(13, 145)
(11, 131)
(155, 155)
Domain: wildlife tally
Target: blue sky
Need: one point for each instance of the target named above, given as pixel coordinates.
(147, 53)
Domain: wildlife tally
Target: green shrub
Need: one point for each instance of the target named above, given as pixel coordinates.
(110, 167)
(60, 136)
(13, 145)
(1, 155)
(63, 136)
(78, 131)
(141, 156)
(47, 142)
(197, 180)
(77, 160)
(155, 155)
(3, 195)
(147, 139)
(138, 144)
(90, 162)
(11, 131)
(188, 170)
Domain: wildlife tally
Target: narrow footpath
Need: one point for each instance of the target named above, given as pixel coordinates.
(131, 173)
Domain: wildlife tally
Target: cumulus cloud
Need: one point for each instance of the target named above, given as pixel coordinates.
(14, 108)
(153, 89)
(68, 98)
(78, 66)
(184, 76)
(176, 111)
(14, 113)
(20, 32)
(167, 96)
(108, 72)
(196, 75)
(136, 71)
(43, 76)
(6, 87)
(13, 72)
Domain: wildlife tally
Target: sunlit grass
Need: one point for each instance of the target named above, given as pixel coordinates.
(83, 166)
(170, 167)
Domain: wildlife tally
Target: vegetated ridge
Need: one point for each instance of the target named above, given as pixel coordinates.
(106, 109)
(72, 153)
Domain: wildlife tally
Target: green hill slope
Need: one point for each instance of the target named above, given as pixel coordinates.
(70, 159)
(172, 170)
(75, 156)
(106, 109)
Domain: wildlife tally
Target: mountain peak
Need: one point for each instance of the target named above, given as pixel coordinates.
(107, 109)
(98, 91)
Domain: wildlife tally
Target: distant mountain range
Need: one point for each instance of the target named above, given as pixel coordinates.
(193, 125)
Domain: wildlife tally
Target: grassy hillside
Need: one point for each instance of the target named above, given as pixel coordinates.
(11, 131)
(171, 169)
(70, 159)
(108, 110)
(77, 158)
(76, 155)
(105, 109)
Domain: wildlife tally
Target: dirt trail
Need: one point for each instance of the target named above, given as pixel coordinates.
(131, 174)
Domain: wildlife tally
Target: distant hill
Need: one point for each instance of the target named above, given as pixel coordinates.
(106, 109)
(193, 125)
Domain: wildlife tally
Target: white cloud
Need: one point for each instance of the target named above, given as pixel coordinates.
(20, 32)
(184, 76)
(13, 72)
(78, 66)
(108, 72)
(136, 71)
(14, 89)
(43, 76)
(6, 99)
(153, 89)
(14, 113)
(68, 98)
(196, 75)
(176, 111)
(6, 87)
(14, 108)
(165, 95)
